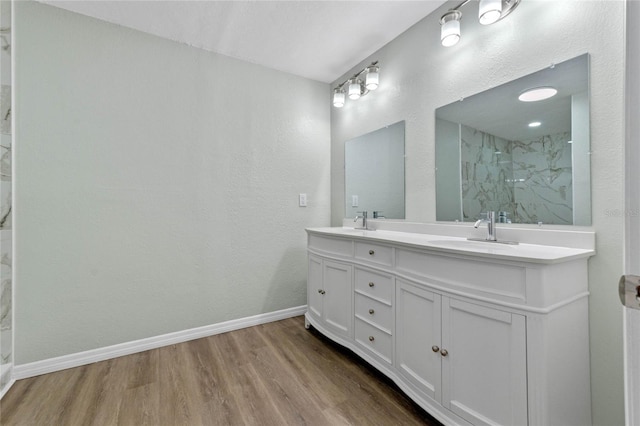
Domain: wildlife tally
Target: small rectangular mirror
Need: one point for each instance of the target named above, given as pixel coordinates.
(374, 173)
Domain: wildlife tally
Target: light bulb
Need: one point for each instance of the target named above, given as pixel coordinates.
(489, 11)
(372, 78)
(354, 89)
(450, 28)
(338, 97)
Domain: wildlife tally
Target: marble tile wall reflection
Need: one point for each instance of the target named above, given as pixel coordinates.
(543, 180)
(531, 180)
(6, 263)
(487, 175)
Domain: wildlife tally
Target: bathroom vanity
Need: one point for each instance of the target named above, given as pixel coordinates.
(474, 332)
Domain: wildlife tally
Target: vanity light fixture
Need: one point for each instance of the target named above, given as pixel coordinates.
(356, 86)
(537, 94)
(489, 12)
(372, 77)
(535, 124)
(450, 28)
(338, 97)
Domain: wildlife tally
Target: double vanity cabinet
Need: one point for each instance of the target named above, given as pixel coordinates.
(475, 333)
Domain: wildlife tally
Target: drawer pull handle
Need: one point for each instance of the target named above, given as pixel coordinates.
(321, 291)
(371, 311)
(435, 348)
(444, 352)
(371, 252)
(371, 338)
(371, 284)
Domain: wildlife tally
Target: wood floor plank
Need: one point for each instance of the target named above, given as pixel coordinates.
(272, 374)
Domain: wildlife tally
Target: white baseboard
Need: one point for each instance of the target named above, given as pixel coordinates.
(50, 365)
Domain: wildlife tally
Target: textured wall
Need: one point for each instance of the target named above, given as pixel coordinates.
(632, 206)
(418, 75)
(156, 184)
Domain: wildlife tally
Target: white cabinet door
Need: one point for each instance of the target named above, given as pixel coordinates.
(418, 337)
(484, 371)
(315, 287)
(338, 296)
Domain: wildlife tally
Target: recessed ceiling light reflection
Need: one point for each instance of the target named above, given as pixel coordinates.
(537, 94)
(535, 124)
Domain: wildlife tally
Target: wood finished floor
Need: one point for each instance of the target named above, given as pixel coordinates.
(272, 374)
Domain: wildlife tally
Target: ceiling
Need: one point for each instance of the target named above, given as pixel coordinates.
(499, 112)
(319, 40)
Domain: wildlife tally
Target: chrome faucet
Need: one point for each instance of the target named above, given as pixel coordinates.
(491, 226)
(364, 219)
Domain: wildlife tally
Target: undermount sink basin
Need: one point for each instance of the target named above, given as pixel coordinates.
(471, 245)
(352, 231)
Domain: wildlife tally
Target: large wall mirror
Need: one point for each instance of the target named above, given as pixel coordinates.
(374, 173)
(529, 160)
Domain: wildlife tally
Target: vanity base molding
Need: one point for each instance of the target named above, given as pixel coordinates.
(472, 340)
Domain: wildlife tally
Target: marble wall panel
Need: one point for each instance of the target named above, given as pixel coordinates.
(6, 243)
(543, 181)
(487, 174)
(531, 180)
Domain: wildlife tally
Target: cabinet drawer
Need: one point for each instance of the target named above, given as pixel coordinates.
(374, 340)
(374, 312)
(374, 253)
(336, 246)
(376, 285)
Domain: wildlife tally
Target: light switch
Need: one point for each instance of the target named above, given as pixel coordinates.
(302, 200)
(354, 201)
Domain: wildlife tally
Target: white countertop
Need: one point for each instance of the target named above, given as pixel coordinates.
(533, 253)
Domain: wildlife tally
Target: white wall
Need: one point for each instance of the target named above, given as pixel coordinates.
(156, 184)
(417, 75)
(632, 209)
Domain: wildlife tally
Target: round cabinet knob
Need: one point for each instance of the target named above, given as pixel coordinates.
(435, 348)
(371, 252)
(371, 311)
(371, 284)
(444, 352)
(320, 290)
(371, 338)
